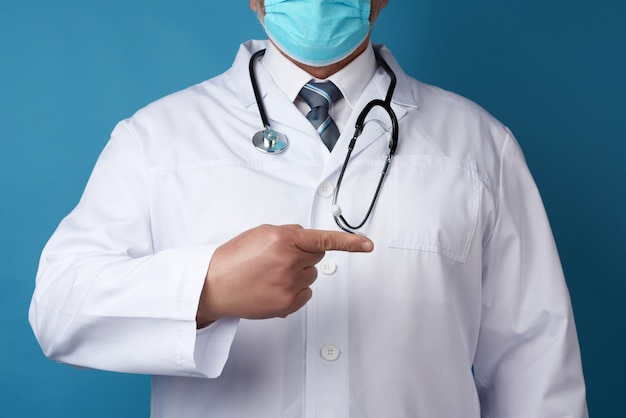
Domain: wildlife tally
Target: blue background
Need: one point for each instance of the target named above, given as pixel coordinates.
(554, 71)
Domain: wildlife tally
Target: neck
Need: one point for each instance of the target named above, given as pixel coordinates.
(323, 73)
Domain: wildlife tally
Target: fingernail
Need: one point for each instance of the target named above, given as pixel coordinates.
(367, 246)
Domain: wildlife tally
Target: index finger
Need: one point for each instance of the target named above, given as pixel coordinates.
(316, 240)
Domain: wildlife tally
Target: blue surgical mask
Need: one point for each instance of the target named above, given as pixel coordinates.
(317, 32)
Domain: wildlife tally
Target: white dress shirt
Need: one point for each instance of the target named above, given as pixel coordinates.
(461, 310)
(350, 80)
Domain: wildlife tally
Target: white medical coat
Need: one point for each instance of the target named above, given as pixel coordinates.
(460, 311)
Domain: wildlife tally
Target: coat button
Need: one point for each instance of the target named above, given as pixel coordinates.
(330, 352)
(326, 189)
(328, 267)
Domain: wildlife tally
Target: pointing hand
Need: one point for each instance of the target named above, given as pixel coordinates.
(267, 271)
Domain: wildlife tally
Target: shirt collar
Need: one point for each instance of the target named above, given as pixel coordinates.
(351, 80)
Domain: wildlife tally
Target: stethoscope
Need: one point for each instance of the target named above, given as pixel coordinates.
(273, 142)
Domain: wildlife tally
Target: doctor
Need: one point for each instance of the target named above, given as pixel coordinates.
(221, 271)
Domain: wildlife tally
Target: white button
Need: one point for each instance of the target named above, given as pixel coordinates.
(328, 267)
(330, 352)
(325, 189)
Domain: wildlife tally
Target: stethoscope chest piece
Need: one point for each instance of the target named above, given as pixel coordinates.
(270, 141)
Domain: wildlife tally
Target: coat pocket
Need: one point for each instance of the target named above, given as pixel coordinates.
(434, 205)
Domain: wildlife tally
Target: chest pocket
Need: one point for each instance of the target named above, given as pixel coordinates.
(434, 204)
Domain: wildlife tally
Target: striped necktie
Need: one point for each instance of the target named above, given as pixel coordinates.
(320, 96)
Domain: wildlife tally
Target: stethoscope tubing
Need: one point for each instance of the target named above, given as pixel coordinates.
(277, 147)
(340, 220)
(255, 88)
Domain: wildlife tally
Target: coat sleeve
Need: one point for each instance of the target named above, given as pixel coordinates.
(105, 299)
(528, 360)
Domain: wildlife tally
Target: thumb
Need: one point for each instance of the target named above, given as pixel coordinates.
(315, 240)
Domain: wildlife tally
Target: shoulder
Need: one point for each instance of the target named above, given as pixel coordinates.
(444, 105)
(178, 111)
(453, 121)
(187, 100)
(228, 90)
(446, 124)
(434, 105)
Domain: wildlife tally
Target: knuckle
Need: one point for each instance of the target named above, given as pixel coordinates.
(274, 235)
(283, 233)
(326, 241)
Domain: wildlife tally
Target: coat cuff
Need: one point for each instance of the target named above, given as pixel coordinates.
(212, 346)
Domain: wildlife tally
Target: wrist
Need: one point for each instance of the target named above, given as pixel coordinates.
(206, 314)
